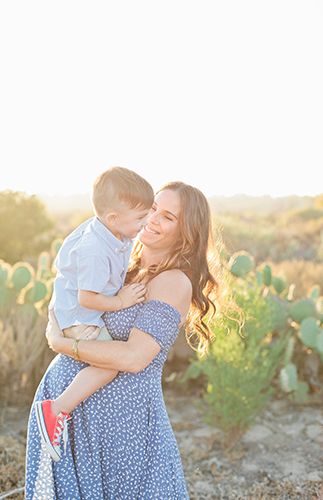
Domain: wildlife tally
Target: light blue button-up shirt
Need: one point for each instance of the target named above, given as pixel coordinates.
(91, 258)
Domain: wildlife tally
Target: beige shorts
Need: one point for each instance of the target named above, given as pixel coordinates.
(79, 332)
(104, 334)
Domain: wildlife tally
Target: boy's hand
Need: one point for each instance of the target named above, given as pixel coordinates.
(132, 294)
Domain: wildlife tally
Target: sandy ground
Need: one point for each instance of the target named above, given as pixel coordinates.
(280, 456)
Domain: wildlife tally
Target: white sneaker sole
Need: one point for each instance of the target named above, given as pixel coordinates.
(43, 433)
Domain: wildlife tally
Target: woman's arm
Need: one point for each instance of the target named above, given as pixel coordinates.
(131, 356)
(171, 287)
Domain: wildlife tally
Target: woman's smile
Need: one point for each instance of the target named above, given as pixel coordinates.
(149, 230)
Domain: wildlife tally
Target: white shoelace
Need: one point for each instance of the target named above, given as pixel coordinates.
(65, 433)
(61, 431)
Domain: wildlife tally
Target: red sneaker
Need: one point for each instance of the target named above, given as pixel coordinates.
(51, 427)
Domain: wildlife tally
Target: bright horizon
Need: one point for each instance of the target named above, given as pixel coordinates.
(226, 96)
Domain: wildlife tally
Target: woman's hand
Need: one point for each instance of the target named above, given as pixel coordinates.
(54, 334)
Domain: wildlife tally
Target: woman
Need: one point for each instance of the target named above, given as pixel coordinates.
(121, 445)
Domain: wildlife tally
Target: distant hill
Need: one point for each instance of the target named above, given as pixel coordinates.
(59, 204)
(263, 204)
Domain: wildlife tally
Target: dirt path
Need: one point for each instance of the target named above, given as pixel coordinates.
(280, 457)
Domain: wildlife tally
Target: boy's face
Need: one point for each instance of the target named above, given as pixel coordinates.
(129, 222)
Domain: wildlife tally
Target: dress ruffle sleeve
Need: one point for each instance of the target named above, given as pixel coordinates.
(161, 321)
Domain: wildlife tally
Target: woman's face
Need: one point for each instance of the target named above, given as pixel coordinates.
(163, 229)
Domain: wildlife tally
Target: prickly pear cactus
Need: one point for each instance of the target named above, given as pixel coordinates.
(301, 392)
(314, 292)
(319, 309)
(44, 260)
(55, 246)
(288, 378)
(291, 292)
(259, 278)
(267, 275)
(42, 273)
(22, 274)
(309, 331)
(279, 284)
(7, 297)
(319, 343)
(289, 350)
(50, 287)
(302, 309)
(27, 312)
(279, 311)
(4, 272)
(241, 263)
(36, 292)
(22, 286)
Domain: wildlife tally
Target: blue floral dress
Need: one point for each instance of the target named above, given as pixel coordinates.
(121, 445)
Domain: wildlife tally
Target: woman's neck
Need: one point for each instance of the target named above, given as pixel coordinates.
(151, 257)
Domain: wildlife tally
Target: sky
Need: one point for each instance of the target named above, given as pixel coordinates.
(225, 95)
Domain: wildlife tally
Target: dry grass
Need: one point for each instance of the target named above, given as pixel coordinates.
(12, 465)
(12, 471)
(303, 273)
(24, 356)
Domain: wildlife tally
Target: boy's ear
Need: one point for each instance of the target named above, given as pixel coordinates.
(111, 218)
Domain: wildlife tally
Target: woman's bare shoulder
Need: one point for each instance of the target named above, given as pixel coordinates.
(174, 278)
(172, 287)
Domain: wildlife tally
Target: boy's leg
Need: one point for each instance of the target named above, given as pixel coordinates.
(52, 416)
(86, 382)
(82, 332)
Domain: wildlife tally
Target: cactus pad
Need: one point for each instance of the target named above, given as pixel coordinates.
(319, 342)
(7, 296)
(288, 378)
(35, 293)
(241, 264)
(27, 311)
(22, 275)
(279, 311)
(302, 309)
(314, 292)
(279, 285)
(309, 331)
(267, 277)
(56, 245)
(259, 278)
(44, 260)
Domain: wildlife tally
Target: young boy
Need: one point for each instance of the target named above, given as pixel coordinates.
(91, 267)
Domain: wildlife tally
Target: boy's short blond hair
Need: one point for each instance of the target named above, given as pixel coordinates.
(119, 186)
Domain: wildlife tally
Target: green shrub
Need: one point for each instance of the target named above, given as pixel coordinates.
(239, 369)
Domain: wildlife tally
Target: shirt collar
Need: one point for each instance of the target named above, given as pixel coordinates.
(114, 243)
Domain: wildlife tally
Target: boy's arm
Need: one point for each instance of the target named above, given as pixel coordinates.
(126, 297)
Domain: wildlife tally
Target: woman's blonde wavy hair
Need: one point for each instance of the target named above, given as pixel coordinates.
(195, 255)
